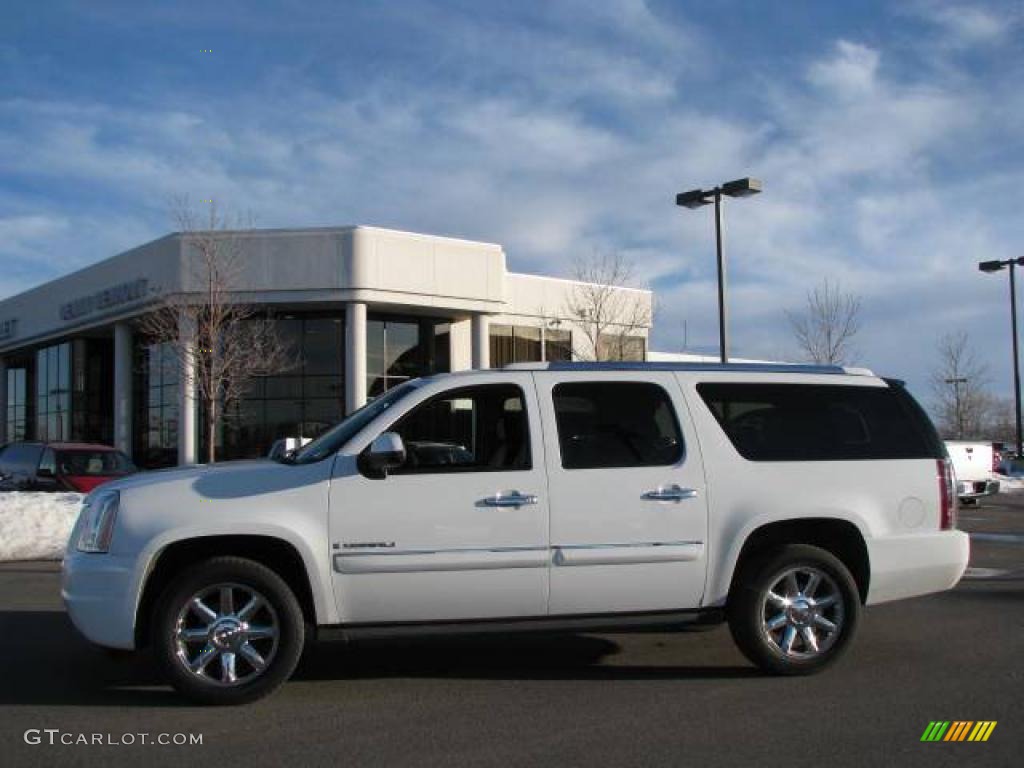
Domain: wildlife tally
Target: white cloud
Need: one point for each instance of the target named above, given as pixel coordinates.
(849, 73)
(971, 25)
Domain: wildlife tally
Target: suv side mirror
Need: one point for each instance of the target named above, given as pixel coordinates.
(386, 452)
(45, 472)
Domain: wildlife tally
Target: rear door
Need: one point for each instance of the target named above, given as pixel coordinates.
(628, 502)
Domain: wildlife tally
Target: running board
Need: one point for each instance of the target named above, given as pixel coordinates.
(665, 621)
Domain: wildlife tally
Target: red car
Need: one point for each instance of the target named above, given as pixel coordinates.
(77, 467)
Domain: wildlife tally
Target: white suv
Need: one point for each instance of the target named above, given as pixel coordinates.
(557, 496)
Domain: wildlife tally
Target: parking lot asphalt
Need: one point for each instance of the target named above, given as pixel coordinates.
(622, 699)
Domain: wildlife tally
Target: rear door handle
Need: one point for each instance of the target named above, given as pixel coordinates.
(670, 493)
(509, 499)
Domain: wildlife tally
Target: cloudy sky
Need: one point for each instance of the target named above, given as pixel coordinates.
(890, 138)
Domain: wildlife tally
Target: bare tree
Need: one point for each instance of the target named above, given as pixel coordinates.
(961, 403)
(225, 342)
(608, 317)
(1001, 422)
(826, 328)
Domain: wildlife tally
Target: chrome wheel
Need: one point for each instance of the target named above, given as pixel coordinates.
(802, 613)
(226, 634)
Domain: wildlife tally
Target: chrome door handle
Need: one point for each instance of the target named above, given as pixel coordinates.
(670, 493)
(510, 499)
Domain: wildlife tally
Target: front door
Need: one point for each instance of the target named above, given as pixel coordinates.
(627, 493)
(460, 531)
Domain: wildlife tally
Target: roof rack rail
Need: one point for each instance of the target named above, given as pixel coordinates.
(564, 365)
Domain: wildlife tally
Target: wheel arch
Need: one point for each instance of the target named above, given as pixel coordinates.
(275, 552)
(839, 536)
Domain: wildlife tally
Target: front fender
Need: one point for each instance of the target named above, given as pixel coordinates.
(316, 564)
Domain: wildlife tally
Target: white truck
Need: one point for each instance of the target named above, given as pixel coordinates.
(541, 497)
(972, 468)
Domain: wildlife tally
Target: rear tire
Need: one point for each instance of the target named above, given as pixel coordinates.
(228, 631)
(794, 611)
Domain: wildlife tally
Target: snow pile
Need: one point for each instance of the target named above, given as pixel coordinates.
(1009, 484)
(36, 526)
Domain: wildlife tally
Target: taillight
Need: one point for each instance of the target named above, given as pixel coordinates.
(947, 495)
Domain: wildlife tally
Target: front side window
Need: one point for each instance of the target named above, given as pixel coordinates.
(804, 422)
(616, 424)
(478, 429)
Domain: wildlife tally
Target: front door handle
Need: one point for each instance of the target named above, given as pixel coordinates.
(670, 493)
(509, 499)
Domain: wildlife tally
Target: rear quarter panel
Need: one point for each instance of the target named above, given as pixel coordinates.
(881, 498)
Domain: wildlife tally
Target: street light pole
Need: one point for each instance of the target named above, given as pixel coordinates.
(697, 198)
(1016, 354)
(723, 319)
(997, 266)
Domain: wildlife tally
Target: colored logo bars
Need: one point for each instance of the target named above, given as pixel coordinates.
(958, 730)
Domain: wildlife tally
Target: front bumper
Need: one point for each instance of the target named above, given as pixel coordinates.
(976, 489)
(98, 594)
(917, 564)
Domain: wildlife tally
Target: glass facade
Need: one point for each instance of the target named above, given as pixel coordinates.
(17, 404)
(53, 392)
(301, 402)
(622, 347)
(155, 401)
(528, 344)
(399, 349)
(557, 344)
(92, 382)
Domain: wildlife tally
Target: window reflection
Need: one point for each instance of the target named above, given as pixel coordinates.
(17, 403)
(399, 349)
(53, 388)
(303, 401)
(528, 344)
(155, 399)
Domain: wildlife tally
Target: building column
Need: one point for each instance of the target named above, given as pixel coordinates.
(3, 401)
(186, 393)
(355, 356)
(481, 341)
(123, 387)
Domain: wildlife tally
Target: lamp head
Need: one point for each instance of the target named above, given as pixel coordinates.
(990, 266)
(695, 198)
(742, 187)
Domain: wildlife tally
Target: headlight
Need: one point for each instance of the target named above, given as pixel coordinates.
(98, 516)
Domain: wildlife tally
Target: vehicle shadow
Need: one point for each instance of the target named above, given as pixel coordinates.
(488, 657)
(43, 660)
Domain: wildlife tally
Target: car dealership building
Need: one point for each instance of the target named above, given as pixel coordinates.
(363, 309)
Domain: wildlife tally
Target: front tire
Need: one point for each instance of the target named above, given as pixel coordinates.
(794, 611)
(229, 631)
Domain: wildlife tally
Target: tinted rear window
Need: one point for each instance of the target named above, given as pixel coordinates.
(83, 463)
(805, 422)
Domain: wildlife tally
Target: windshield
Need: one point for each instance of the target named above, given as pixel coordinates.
(332, 440)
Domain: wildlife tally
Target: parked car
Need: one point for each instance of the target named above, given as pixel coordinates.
(286, 445)
(572, 496)
(972, 469)
(1011, 468)
(78, 467)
